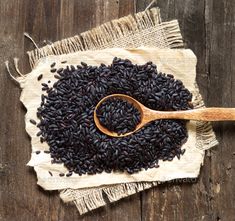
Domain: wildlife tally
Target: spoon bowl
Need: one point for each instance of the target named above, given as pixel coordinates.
(132, 101)
(148, 115)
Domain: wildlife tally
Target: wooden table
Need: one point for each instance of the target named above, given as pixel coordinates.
(208, 28)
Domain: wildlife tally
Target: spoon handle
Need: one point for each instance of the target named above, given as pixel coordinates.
(205, 114)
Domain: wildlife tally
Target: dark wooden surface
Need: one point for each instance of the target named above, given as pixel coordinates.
(208, 27)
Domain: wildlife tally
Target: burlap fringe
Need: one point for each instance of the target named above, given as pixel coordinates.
(88, 200)
(205, 136)
(85, 201)
(173, 34)
(19, 77)
(116, 34)
(126, 189)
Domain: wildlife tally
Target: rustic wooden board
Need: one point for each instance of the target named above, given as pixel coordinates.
(208, 28)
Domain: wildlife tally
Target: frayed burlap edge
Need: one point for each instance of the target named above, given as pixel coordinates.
(90, 199)
(206, 138)
(129, 31)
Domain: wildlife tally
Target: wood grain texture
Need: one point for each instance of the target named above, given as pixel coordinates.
(208, 27)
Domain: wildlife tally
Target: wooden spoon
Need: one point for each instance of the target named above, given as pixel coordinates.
(148, 115)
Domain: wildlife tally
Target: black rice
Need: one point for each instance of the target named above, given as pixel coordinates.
(46, 151)
(53, 64)
(60, 70)
(69, 174)
(40, 77)
(118, 115)
(53, 70)
(67, 125)
(44, 85)
(32, 121)
(39, 133)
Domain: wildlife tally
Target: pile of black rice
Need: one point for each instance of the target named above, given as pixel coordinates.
(67, 125)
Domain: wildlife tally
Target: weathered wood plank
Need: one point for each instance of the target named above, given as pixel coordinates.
(221, 86)
(21, 198)
(184, 201)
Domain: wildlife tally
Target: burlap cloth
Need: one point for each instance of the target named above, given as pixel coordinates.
(142, 29)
